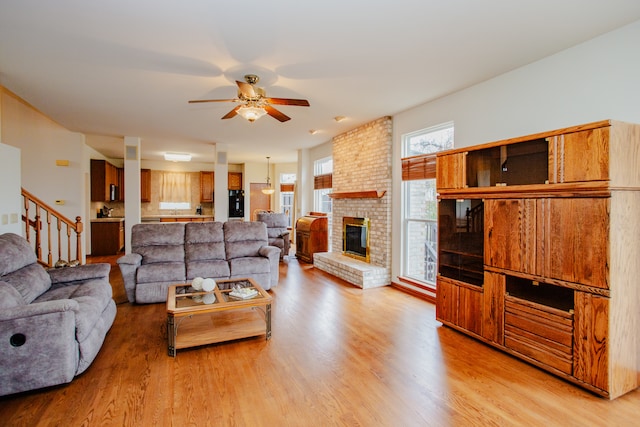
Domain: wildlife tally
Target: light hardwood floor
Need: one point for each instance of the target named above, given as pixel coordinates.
(338, 356)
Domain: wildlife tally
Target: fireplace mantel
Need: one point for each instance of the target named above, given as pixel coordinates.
(371, 194)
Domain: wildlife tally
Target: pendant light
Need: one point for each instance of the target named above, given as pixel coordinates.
(268, 189)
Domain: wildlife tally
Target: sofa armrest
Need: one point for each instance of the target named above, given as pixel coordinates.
(129, 264)
(273, 253)
(269, 251)
(133, 259)
(38, 309)
(81, 272)
(39, 346)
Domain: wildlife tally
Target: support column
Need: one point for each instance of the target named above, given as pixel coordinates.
(221, 185)
(132, 208)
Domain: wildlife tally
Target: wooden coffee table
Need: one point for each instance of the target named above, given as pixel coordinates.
(194, 318)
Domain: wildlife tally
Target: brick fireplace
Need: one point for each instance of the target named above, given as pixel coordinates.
(362, 189)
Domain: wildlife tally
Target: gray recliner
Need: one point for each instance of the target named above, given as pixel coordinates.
(277, 231)
(52, 322)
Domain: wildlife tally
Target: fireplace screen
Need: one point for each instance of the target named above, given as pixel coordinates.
(355, 237)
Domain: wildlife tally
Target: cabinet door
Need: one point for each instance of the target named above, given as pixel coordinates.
(511, 234)
(206, 186)
(450, 170)
(579, 156)
(577, 240)
(447, 300)
(145, 185)
(590, 336)
(470, 309)
(493, 307)
(120, 173)
(235, 180)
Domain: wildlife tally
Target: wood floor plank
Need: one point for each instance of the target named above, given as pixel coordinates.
(338, 356)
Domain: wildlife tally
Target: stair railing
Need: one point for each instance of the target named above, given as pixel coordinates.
(48, 231)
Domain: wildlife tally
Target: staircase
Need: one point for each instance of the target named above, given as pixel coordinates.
(49, 232)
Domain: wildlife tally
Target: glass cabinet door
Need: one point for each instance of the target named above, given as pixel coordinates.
(460, 236)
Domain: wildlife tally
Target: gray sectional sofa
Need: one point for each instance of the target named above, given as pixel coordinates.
(163, 254)
(52, 322)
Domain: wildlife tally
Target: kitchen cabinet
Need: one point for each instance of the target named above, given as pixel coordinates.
(145, 185)
(104, 177)
(120, 175)
(207, 186)
(553, 277)
(107, 236)
(235, 180)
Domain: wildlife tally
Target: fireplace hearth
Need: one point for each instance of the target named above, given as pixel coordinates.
(355, 237)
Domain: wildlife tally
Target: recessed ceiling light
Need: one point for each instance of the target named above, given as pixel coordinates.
(339, 118)
(177, 157)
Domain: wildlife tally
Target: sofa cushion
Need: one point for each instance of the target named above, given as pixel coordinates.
(92, 296)
(245, 267)
(162, 242)
(15, 253)
(30, 281)
(9, 296)
(204, 241)
(244, 239)
(161, 272)
(215, 269)
(161, 254)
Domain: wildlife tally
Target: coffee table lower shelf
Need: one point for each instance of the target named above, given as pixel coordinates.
(201, 329)
(192, 322)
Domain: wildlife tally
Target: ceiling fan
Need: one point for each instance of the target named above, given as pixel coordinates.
(254, 102)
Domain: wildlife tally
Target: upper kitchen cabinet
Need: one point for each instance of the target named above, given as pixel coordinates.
(206, 186)
(104, 181)
(235, 180)
(145, 185)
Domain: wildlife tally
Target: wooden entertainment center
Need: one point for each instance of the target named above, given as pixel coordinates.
(539, 250)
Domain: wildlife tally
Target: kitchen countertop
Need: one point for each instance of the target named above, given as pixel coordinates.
(159, 217)
(108, 219)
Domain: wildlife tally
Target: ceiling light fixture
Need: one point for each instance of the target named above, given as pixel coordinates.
(339, 118)
(313, 131)
(269, 190)
(251, 112)
(177, 157)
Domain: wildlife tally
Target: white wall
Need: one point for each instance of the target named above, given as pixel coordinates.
(595, 80)
(41, 142)
(10, 198)
(306, 159)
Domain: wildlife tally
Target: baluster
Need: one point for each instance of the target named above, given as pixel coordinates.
(49, 255)
(38, 230)
(79, 230)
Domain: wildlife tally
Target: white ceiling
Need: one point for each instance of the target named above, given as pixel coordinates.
(123, 67)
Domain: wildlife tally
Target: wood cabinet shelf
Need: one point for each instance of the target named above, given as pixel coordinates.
(537, 242)
(372, 194)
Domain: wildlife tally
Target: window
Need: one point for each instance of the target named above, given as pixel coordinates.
(322, 187)
(420, 210)
(175, 190)
(322, 173)
(287, 183)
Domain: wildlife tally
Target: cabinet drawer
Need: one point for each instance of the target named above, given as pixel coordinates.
(540, 332)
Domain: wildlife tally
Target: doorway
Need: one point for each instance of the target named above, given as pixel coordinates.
(258, 201)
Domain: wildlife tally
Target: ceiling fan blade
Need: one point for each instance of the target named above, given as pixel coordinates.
(246, 89)
(276, 114)
(195, 101)
(231, 114)
(288, 101)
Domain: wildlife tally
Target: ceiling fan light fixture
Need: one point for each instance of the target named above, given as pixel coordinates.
(177, 157)
(251, 112)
